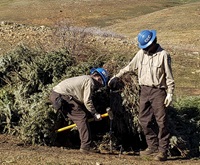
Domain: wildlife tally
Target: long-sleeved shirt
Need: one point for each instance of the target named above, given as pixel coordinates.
(80, 88)
(153, 70)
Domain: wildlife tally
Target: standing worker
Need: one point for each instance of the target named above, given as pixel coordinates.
(157, 85)
(74, 97)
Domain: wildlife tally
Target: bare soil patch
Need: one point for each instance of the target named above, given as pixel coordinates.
(13, 151)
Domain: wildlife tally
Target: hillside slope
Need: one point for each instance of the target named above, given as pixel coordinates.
(178, 27)
(177, 22)
(178, 31)
(29, 22)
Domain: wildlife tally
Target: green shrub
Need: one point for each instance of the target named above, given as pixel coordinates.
(185, 126)
(27, 77)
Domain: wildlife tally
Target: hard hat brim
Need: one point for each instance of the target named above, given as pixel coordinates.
(93, 70)
(150, 41)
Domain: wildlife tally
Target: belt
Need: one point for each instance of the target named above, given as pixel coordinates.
(155, 87)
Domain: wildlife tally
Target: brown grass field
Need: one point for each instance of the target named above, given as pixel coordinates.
(178, 25)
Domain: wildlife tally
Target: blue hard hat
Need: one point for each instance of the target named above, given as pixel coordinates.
(146, 38)
(102, 72)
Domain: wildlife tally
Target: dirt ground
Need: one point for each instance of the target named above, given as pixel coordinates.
(12, 151)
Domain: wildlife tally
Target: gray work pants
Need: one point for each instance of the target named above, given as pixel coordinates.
(78, 115)
(153, 117)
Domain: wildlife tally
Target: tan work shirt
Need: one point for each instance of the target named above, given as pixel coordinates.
(153, 70)
(80, 88)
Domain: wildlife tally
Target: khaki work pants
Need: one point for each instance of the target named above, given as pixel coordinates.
(153, 117)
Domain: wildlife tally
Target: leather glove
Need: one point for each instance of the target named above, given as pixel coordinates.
(168, 99)
(115, 83)
(97, 117)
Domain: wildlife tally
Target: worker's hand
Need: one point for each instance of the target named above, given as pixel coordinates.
(168, 99)
(115, 83)
(97, 117)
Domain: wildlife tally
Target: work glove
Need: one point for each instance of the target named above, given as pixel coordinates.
(115, 83)
(97, 117)
(168, 99)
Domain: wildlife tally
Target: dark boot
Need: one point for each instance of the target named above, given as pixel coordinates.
(161, 156)
(149, 151)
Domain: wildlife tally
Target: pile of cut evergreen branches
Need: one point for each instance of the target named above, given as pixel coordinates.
(27, 77)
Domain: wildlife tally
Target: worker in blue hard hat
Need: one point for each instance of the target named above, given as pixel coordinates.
(73, 96)
(157, 86)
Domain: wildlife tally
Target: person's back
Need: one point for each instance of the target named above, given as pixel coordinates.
(73, 97)
(77, 87)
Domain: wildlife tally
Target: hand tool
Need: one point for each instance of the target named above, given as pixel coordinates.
(74, 125)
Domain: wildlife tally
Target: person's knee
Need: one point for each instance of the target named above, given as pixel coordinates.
(144, 123)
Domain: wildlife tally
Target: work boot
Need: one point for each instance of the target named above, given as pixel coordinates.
(161, 156)
(88, 151)
(149, 152)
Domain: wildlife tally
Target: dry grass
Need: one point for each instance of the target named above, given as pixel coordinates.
(178, 31)
(89, 12)
(177, 23)
(178, 27)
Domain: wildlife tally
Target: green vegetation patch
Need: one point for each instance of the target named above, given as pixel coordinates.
(27, 77)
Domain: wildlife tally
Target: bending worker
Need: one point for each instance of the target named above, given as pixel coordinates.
(157, 85)
(74, 96)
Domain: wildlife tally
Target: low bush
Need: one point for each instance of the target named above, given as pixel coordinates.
(27, 77)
